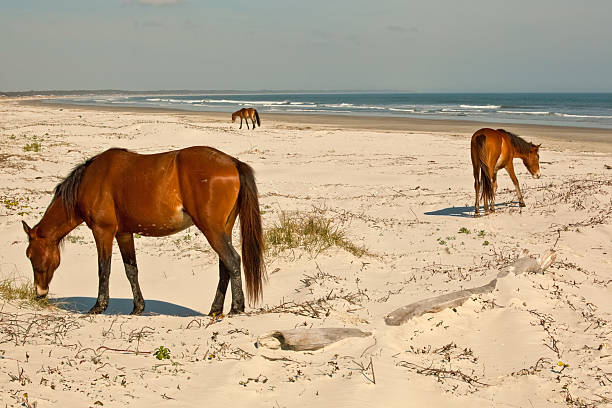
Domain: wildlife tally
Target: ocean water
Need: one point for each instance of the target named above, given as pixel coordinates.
(562, 109)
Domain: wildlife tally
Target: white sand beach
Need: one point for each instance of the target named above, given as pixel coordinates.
(403, 192)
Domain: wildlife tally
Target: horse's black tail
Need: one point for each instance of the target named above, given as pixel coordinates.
(257, 117)
(487, 184)
(251, 233)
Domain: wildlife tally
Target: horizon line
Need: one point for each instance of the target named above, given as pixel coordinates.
(67, 92)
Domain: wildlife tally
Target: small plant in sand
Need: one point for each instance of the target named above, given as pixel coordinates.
(15, 203)
(11, 289)
(464, 230)
(74, 239)
(481, 233)
(312, 232)
(9, 203)
(32, 147)
(162, 353)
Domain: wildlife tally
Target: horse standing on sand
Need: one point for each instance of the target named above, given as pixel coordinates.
(246, 114)
(118, 193)
(493, 150)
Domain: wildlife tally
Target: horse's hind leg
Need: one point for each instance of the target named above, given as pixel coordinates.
(128, 253)
(230, 260)
(104, 244)
(253, 121)
(476, 172)
(477, 189)
(224, 276)
(240, 123)
(494, 184)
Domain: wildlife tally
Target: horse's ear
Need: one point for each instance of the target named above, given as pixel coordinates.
(539, 146)
(26, 227)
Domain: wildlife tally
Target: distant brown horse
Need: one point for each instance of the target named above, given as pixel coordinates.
(493, 150)
(118, 193)
(246, 114)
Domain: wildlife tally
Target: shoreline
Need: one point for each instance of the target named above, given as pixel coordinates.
(557, 137)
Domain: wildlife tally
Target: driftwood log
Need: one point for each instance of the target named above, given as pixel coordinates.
(307, 339)
(454, 299)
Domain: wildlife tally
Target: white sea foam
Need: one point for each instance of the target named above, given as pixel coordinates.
(480, 106)
(303, 103)
(451, 110)
(569, 115)
(525, 112)
(339, 105)
(401, 110)
(242, 102)
(317, 110)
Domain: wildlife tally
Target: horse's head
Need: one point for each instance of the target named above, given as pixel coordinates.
(532, 160)
(233, 117)
(45, 258)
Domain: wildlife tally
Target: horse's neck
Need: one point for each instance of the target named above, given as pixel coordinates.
(518, 155)
(57, 222)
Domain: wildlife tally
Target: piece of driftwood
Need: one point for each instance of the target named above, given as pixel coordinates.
(307, 339)
(454, 299)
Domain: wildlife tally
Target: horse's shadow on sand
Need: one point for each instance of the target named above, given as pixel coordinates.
(123, 306)
(467, 212)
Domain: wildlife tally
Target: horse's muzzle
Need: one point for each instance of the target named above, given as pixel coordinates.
(41, 297)
(41, 293)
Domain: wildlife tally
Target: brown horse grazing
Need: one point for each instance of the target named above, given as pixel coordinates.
(246, 114)
(493, 150)
(118, 193)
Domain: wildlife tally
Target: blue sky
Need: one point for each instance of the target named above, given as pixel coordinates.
(433, 46)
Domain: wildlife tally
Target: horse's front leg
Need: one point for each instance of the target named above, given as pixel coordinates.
(128, 253)
(104, 244)
(510, 170)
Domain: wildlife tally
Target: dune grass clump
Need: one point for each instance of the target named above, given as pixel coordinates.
(13, 289)
(311, 232)
(32, 147)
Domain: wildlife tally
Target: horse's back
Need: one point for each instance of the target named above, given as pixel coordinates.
(145, 190)
(489, 140)
(490, 135)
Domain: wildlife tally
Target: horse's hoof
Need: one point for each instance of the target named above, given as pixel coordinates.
(96, 310)
(137, 312)
(215, 312)
(236, 310)
(522, 205)
(477, 215)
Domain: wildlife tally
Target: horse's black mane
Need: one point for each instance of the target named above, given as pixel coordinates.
(68, 188)
(520, 144)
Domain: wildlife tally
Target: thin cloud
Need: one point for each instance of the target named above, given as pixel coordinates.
(402, 29)
(159, 2)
